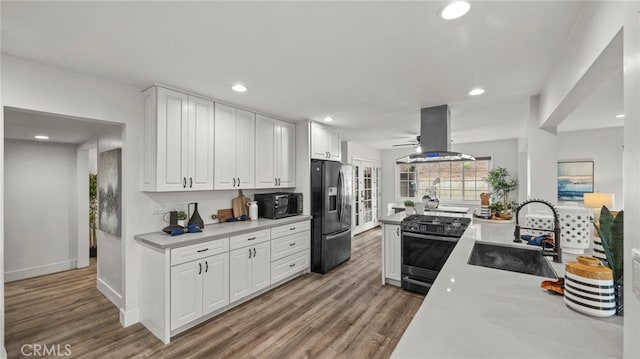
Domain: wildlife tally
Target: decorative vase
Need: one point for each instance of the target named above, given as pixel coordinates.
(618, 291)
(410, 210)
(195, 217)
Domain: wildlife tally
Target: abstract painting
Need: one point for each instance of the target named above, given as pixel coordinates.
(109, 192)
(574, 180)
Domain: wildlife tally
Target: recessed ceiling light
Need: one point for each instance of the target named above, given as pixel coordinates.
(455, 10)
(620, 115)
(239, 88)
(476, 92)
(328, 119)
(41, 137)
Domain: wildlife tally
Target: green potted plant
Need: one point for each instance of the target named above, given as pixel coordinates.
(93, 213)
(611, 231)
(182, 218)
(408, 205)
(502, 184)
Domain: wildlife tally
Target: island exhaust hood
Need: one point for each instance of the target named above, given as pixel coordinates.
(435, 138)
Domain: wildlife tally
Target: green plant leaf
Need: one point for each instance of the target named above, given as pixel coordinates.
(611, 230)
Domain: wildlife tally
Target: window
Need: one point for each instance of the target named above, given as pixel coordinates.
(459, 180)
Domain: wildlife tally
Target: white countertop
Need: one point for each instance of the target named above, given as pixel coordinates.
(210, 232)
(478, 312)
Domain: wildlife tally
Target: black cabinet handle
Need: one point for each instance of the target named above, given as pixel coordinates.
(292, 228)
(250, 239)
(184, 182)
(249, 253)
(238, 181)
(200, 265)
(292, 244)
(234, 181)
(206, 266)
(254, 252)
(275, 181)
(398, 231)
(203, 250)
(292, 265)
(190, 182)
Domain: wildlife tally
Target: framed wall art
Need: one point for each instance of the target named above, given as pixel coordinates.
(575, 178)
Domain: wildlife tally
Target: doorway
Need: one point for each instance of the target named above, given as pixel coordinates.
(366, 174)
(47, 191)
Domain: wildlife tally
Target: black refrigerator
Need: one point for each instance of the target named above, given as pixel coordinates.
(331, 209)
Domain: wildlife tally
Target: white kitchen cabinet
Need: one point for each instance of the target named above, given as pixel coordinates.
(392, 254)
(290, 250)
(215, 283)
(325, 143)
(198, 288)
(275, 153)
(234, 148)
(249, 270)
(186, 293)
(178, 141)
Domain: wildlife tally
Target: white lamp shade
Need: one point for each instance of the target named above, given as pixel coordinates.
(597, 200)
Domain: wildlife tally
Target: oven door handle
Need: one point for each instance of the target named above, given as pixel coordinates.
(425, 236)
(416, 282)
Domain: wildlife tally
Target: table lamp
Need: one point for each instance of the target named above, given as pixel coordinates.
(596, 201)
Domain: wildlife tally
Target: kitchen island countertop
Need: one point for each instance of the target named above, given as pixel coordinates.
(478, 312)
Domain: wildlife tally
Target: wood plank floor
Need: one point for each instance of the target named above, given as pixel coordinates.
(346, 313)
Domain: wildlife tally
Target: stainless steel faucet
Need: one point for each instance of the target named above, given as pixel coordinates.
(556, 251)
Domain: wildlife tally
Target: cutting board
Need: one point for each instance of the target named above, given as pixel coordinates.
(224, 214)
(239, 205)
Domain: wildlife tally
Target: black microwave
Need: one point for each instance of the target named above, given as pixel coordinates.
(279, 204)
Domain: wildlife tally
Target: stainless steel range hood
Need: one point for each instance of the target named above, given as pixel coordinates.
(435, 138)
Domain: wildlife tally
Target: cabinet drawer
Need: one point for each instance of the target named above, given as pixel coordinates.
(298, 227)
(198, 251)
(249, 239)
(284, 246)
(288, 266)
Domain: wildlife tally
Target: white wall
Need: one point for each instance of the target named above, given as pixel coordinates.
(631, 170)
(40, 182)
(351, 150)
(594, 29)
(604, 147)
(505, 154)
(29, 85)
(110, 266)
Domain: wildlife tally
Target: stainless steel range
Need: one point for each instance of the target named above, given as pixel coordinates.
(426, 243)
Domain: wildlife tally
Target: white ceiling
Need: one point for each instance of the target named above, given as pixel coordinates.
(23, 125)
(371, 65)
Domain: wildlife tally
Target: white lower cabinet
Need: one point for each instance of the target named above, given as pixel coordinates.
(184, 286)
(249, 270)
(290, 250)
(392, 255)
(198, 288)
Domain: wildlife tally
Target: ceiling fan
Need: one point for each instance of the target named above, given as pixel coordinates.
(415, 142)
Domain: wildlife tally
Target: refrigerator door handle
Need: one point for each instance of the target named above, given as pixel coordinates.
(340, 199)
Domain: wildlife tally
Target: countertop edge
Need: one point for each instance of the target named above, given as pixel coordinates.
(212, 232)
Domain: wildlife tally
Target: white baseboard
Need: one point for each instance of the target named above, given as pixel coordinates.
(109, 292)
(18, 274)
(129, 317)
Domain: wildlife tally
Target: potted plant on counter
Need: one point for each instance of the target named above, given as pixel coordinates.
(502, 184)
(408, 205)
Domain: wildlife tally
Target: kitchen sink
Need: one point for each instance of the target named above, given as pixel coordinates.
(515, 259)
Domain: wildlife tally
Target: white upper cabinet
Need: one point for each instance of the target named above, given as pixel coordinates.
(234, 148)
(275, 153)
(325, 143)
(178, 149)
